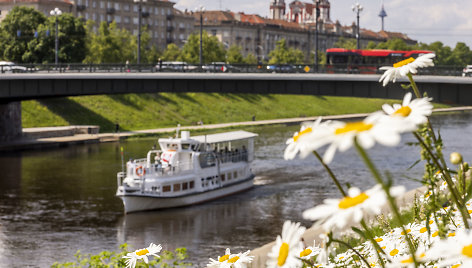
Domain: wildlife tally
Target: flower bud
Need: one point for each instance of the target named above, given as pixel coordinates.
(455, 158)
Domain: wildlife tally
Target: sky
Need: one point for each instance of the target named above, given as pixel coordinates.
(427, 21)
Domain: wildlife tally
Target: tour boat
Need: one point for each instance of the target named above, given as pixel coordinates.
(188, 170)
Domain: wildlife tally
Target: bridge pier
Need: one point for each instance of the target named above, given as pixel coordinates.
(10, 121)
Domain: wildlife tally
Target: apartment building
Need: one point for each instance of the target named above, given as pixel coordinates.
(165, 23)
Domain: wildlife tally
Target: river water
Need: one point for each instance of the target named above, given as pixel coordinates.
(55, 202)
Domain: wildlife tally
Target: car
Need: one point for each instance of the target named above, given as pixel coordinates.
(281, 68)
(11, 67)
(174, 66)
(216, 67)
(467, 71)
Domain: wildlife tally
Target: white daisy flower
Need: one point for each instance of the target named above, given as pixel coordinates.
(412, 112)
(404, 67)
(352, 208)
(310, 252)
(240, 260)
(301, 141)
(143, 254)
(340, 135)
(287, 248)
(452, 250)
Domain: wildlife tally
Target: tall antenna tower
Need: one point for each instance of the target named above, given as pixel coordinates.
(382, 15)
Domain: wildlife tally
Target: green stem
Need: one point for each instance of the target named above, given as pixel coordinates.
(330, 173)
(390, 199)
(414, 86)
(450, 183)
(376, 245)
(351, 248)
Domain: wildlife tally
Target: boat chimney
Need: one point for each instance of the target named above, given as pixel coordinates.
(185, 135)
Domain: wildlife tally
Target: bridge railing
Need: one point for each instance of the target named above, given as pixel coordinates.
(214, 68)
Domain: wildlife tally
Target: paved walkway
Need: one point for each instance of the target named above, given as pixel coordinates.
(38, 143)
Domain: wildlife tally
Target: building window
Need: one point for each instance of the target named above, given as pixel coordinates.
(102, 4)
(168, 12)
(135, 8)
(213, 32)
(126, 7)
(162, 12)
(182, 37)
(86, 3)
(79, 2)
(109, 5)
(94, 4)
(135, 20)
(156, 10)
(118, 19)
(94, 16)
(117, 6)
(126, 20)
(86, 16)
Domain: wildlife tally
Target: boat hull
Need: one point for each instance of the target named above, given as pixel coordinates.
(141, 202)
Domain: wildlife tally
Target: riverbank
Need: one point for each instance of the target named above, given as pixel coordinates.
(35, 140)
(164, 110)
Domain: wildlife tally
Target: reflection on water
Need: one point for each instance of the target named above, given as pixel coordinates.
(55, 202)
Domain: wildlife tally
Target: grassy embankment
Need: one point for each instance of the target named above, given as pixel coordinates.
(148, 111)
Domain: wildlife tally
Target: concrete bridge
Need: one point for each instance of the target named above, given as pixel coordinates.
(17, 87)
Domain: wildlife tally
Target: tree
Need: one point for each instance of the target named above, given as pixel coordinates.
(250, 59)
(171, 53)
(72, 40)
(212, 51)
(346, 43)
(234, 55)
(461, 55)
(282, 54)
(17, 30)
(109, 44)
(443, 53)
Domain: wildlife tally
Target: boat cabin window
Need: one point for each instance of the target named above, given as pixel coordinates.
(223, 177)
(192, 184)
(184, 186)
(177, 187)
(229, 176)
(235, 174)
(166, 188)
(185, 146)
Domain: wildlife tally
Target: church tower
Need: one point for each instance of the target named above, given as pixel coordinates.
(277, 9)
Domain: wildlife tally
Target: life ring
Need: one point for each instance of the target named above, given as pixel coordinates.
(140, 171)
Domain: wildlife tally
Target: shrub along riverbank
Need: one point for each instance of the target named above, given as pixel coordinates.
(148, 111)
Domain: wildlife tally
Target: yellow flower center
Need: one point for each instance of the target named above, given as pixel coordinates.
(403, 62)
(409, 260)
(283, 254)
(223, 258)
(142, 252)
(394, 252)
(379, 239)
(404, 111)
(342, 257)
(305, 253)
(301, 133)
(233, 259)
(435, 234)
(431, 222)
(353, 126)
(467, 251)
(348, 201)
(451, 234)
(456, 265)
(407, 231)
(424, 229)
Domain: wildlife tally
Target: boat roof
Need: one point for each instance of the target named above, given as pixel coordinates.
(214, 138)
(224, 137)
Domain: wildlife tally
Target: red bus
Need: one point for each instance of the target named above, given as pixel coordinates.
(365, 61)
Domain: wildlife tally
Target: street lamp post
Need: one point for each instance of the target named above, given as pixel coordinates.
(140, 11)
(357, 8)
(56, 12)
(201, 10)
(316, 34)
